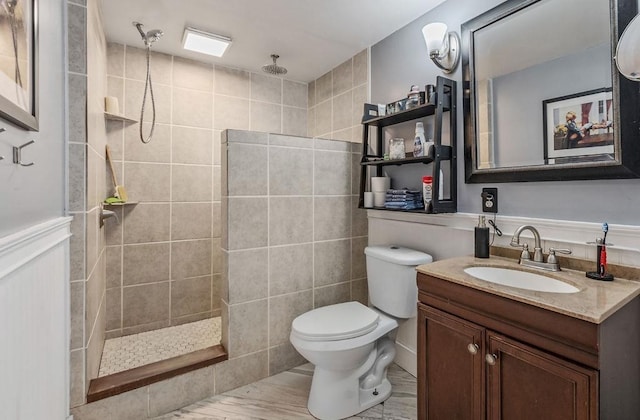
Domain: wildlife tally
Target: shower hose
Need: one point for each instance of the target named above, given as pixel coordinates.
(148, 87)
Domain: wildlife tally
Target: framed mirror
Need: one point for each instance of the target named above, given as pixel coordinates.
(543, 100)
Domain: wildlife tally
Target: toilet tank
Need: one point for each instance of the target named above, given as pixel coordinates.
(391, 277)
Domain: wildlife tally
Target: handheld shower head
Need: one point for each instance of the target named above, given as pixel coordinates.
(149, 37)
(154, 35)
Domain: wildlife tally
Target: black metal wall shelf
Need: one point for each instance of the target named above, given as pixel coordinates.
(408, 115)
(436, 152)
(445, 102)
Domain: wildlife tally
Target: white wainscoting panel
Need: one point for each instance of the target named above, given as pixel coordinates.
(34, 322)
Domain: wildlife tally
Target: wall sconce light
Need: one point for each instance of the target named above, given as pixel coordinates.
(627, 56)
(443, 46)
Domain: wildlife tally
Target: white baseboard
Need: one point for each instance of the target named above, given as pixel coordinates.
(407, 359)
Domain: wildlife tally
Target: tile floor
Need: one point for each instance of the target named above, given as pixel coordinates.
(284, 397)
(124, 353)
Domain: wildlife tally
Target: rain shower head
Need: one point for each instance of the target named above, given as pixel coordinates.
(274, 68)
(148, 37)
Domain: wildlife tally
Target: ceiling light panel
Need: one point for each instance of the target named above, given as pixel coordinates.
(204, 42)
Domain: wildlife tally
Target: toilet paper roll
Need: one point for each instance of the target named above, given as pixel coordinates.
(368, 199)
(379, 198)
(111, 105)
(380, 183)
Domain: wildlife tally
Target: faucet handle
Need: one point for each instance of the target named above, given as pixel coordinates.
(559, 251)
(552, 254)
(526, 255)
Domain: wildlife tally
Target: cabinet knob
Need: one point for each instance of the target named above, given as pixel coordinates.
(473, 348)
(491, 359)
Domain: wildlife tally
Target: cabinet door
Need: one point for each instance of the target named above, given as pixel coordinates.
(450, 367)
(524, 383)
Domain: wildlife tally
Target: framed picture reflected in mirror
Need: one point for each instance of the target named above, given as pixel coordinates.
(579, 125)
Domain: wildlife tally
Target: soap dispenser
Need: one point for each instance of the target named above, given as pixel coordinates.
(481, 235)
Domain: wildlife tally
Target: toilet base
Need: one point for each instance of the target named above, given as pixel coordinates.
(338, 394)
(339, 401)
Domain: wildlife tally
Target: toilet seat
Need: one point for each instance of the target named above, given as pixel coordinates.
(336, 322)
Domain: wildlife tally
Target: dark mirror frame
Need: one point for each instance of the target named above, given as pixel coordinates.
(626, 101)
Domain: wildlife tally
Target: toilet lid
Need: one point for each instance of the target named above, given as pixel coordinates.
(336, 322)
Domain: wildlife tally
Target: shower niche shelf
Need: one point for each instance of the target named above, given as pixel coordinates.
(117, 117)
(127, 203)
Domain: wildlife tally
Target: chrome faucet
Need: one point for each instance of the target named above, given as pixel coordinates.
(515, 241)
(538, 258)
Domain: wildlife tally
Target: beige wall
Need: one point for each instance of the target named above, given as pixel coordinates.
(336, 100)
(293, 239)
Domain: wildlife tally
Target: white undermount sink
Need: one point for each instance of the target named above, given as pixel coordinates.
(520, 279)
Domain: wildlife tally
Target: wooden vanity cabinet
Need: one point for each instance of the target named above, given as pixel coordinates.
(524, 383)
(482, 356)
(450, 377)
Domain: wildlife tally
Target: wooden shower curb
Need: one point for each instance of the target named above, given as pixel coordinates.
(117, 383)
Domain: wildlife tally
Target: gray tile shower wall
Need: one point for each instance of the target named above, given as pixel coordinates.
(163, 263)
(336, 100)
(165, 254)
(292, 238)
(87, 185)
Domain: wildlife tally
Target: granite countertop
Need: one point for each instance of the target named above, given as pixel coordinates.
(595, 301)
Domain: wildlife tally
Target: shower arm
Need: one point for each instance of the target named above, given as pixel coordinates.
(139, 25)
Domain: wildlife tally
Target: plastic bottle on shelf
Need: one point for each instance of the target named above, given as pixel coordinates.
(419, 142)
(427, 189)
(413, 98)
(427, 148)
(427, 192)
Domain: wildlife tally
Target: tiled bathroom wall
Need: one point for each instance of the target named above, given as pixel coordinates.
(336, 100)
(162, 262)
(293, 239)
(163, 258)
(87, 186)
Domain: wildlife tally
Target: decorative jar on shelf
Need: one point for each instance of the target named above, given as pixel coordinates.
(396, 148)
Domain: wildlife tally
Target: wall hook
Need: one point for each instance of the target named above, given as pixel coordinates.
(17, 154)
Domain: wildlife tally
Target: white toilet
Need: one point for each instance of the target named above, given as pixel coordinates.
(352, 345)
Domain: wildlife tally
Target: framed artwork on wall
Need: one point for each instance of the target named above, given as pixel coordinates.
(579, 127)
(18, 62)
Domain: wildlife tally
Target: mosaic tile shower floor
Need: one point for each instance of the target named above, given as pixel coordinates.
(131, 351)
